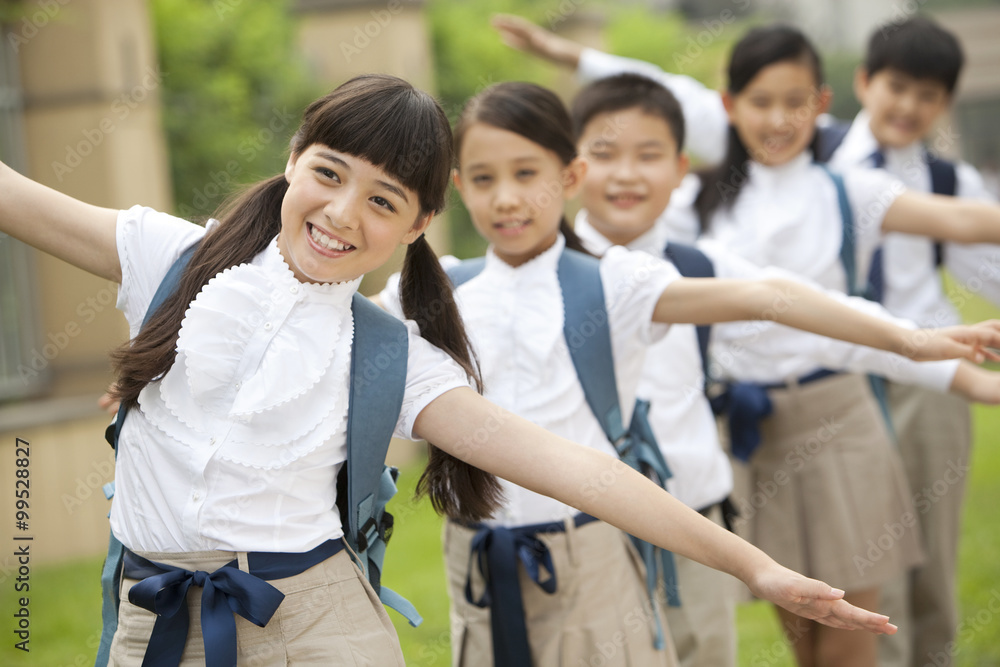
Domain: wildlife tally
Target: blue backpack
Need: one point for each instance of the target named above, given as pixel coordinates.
(588, 338)
(365, 484)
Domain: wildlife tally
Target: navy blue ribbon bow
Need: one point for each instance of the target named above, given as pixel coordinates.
(163, 590)
(497, 552)
(227, 591)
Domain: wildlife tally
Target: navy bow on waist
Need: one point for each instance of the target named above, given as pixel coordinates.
(163, 590)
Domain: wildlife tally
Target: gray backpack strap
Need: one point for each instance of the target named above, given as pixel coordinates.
(378, 382)
(466, 271)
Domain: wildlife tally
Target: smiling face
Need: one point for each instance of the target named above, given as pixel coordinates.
(902, 107)
(775, 113)
(342, 216)
(633, 166)
(514, 190)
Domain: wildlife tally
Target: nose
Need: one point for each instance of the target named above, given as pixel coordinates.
(624, 169)
(343, 210)
(907, 103)
(507, 197)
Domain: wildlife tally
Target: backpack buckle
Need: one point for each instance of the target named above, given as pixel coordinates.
(372, 529)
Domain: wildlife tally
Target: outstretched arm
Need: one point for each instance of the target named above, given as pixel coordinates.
(943, 218)
(535, 40)
(789, 302)
(530, 456)
(79, 233)
(976, 384)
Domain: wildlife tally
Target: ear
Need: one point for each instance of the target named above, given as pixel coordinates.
(825, 99)
(861, 81)
(729, 103)
(683, 164)
(573, 175)
(456, 179)
(419, 227)
(289, 166)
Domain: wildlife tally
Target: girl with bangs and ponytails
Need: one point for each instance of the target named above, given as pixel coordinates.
(764, 197)
(561, 338)
(260, 376)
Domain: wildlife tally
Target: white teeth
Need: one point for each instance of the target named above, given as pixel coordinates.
(510, 224)
(325, 241)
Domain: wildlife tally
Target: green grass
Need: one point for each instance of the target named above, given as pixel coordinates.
(65, 599)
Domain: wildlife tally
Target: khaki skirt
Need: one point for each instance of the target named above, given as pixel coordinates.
(825, 493)
(599, 614)
(330, 616)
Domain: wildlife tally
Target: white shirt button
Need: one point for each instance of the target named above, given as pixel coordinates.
(294, 289)
(195, 496)
(239, 385)
(267, 326)
(211, 440)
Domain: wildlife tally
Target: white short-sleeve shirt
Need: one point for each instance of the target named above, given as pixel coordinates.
(514, 316)
(238, 446)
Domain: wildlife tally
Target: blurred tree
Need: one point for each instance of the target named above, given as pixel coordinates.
(233, 93)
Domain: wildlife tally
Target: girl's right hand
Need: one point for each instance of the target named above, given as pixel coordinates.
(815, 600)
(521, 34)
(958, 342)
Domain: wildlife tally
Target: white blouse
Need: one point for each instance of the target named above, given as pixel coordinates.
(238, 446)
(913, 286)
(514, 316)
(673, 379)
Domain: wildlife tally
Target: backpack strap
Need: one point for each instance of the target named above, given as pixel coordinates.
(848, 251)
(378, 383)
(944, 181)
(693, 263)
(875, 288)
(829, 138)
(112, 569)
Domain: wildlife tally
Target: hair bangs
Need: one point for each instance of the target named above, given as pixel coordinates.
(392, 125)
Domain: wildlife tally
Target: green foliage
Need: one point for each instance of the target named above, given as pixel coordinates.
(233, 93)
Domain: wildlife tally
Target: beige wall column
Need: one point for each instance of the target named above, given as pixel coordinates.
(91, 88)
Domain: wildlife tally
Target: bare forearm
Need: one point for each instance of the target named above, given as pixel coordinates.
(944, 218)
(71, 230)
(591, 481)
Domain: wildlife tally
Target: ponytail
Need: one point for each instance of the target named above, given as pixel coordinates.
(456, 489)
(721, 185)
(248, 224)
(573, 241)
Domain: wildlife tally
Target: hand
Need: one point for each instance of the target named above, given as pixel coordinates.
(109, 403)
(976, 384)
(960, 342)
(523, 35)
(816, 601)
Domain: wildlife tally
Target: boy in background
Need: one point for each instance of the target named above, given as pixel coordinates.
(906, 86)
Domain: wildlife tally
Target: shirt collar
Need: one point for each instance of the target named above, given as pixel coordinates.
(653, 241)
(544, 262)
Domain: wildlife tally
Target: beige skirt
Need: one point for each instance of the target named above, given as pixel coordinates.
(330, 616)
(825, 493)
(599, 615)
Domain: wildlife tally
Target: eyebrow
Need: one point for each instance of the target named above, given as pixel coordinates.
(518, 160)
(391, 187)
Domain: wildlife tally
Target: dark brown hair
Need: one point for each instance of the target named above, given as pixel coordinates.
(628, 91)
(531, 111)
(387, 122)
(759, 48)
